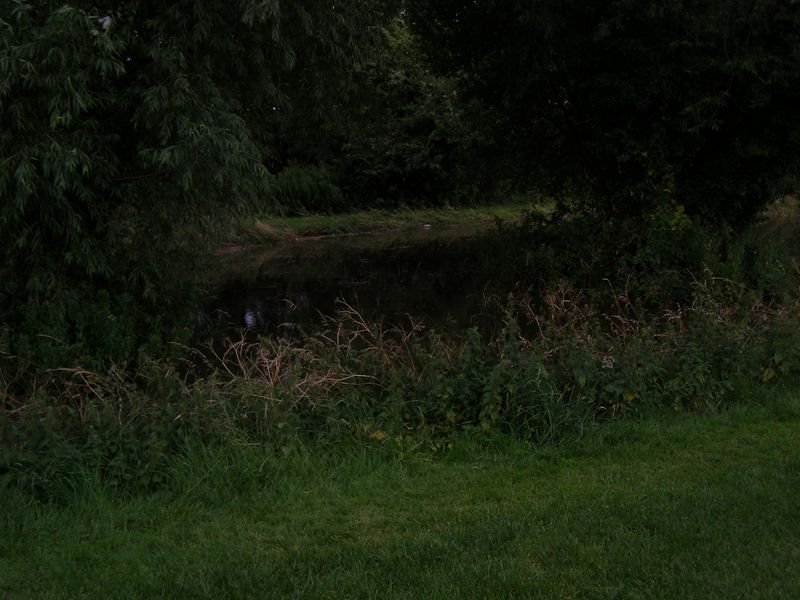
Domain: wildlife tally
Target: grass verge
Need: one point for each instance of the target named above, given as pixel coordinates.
(667, 507)
(439, 221)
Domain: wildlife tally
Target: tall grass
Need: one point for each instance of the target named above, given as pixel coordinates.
(555, 366)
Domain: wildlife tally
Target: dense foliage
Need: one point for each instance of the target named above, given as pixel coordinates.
(125, 137)
(633, 104)
(130, 137)
(552, 371)
(396, 136)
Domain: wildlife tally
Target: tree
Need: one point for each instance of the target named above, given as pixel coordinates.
(633, 103)
(126, 137)
(404, 140)
(393, 135)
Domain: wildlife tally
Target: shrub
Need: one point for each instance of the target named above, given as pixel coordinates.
(301, 189)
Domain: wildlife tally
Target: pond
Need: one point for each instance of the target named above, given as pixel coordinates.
(446, 283)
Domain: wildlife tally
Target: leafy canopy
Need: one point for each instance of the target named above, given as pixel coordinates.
(127, 135)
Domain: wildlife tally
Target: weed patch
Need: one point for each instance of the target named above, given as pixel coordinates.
(547, 375)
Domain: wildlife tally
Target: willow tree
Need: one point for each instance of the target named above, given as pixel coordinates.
(127, 134)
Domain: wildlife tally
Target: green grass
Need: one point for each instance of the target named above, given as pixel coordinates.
(670, 507)
(442, 221)
(345, 234)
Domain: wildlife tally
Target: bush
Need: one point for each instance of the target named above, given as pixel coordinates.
(302, 189)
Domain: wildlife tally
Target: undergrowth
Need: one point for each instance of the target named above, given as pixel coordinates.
(662, 332)
(555, 366)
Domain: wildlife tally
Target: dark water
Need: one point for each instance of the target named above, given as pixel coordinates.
(446, 284)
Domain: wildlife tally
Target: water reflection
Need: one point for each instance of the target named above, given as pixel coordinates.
(285, 290)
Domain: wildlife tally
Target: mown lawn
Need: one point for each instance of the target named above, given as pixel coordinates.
(669, 507)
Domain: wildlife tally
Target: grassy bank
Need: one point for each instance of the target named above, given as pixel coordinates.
(682, 506)
(455, 222)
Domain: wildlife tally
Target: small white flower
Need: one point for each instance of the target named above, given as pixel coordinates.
(105, 22)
